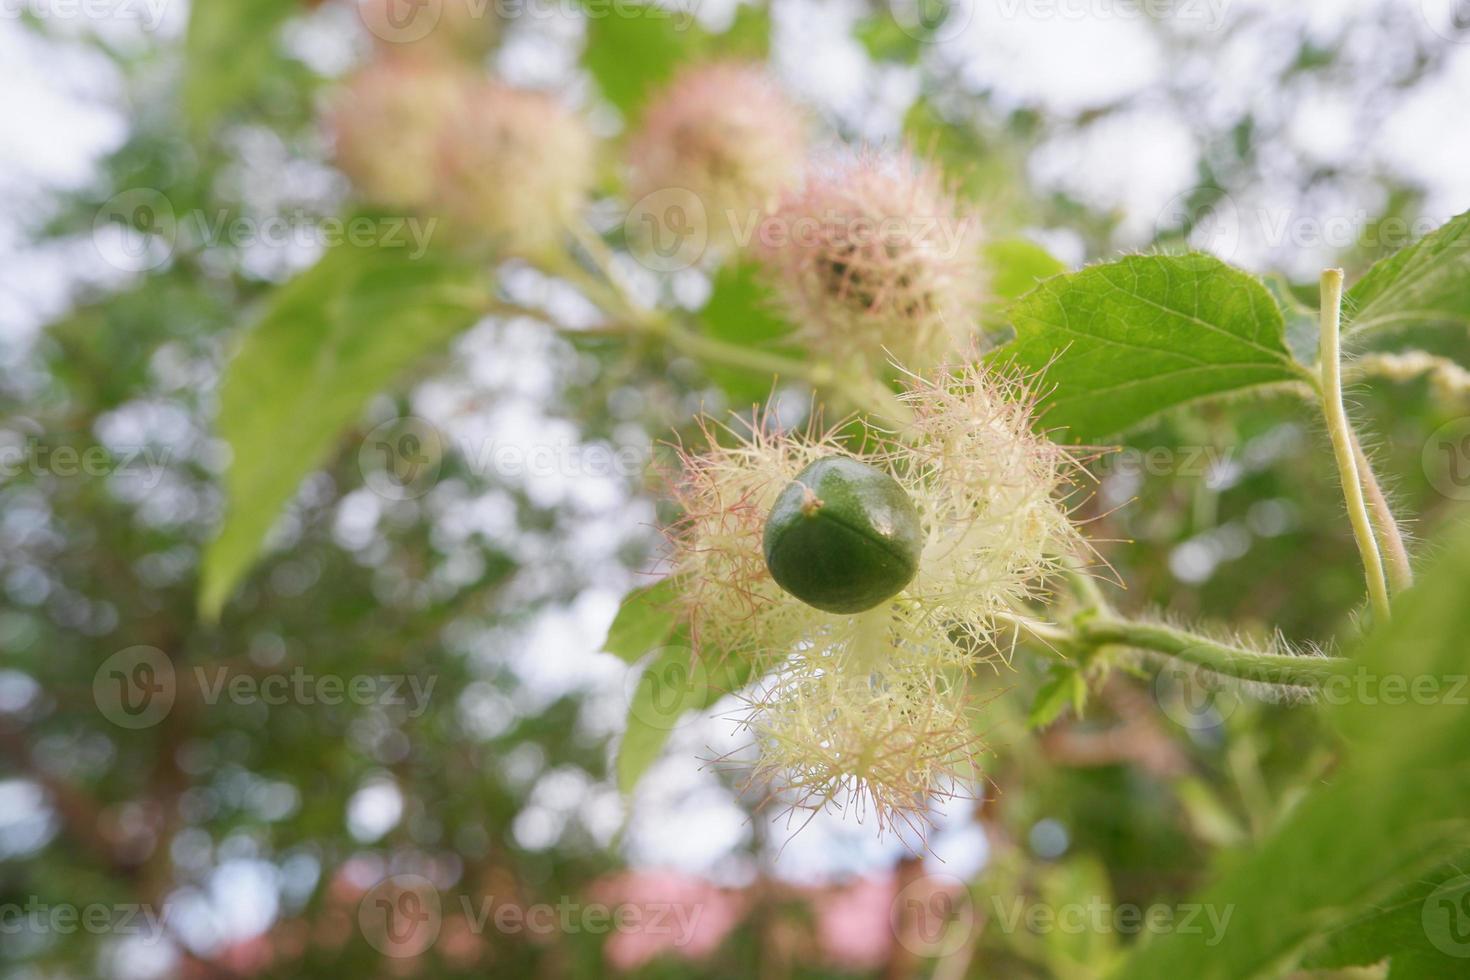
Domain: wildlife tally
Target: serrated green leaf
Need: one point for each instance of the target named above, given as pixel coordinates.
(1064, 687)
(229, 48)
(676, 682)
(644, 620)
(1398, 808)
(1121, 342)
(329, 340)
(1427, 282)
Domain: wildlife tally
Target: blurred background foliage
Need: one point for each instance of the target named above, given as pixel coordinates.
(261, 827)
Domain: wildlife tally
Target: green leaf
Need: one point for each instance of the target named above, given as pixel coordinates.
(1017, 265)
(634, 47)
(1395, 930)
(329, 339)
(229, 49)
(749, 35)
(1080, 882)
(676, 682)
(1426, 282)
(1121, 342)
(1397, 809)
(742, 310)
(1063, 687)
(884, 40)
(645, 619)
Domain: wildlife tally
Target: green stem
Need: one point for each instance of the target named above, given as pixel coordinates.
(1341, 433)
(719, 351)
(1390, 537)
(609, 292)
(1212, 655)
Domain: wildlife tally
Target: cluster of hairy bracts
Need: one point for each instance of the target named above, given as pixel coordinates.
(503, 165)
(387, 124)
(727, 134)
(875, 256)
(516, 166)
(871, 707)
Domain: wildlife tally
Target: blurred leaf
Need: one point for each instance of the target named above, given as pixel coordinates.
(749, 35)
(1080, 883)
(633, 47)
(677, 681)
(1064, 686)
(1395, 930)
(1426, 282)
(884, 40)
(645, 619)
(1209, 817)
(1398, 808)
(329, 339)
(1017, 265)
(742, 310)
(229, 48)
(1121, 342)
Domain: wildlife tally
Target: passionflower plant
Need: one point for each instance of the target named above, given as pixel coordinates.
(867, 700)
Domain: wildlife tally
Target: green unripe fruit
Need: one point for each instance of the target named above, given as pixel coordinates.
(843, 536)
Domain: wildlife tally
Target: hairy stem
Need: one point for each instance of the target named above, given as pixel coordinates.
(1341, 433)
(1390, 537)
(1212, 655)
(608, 291)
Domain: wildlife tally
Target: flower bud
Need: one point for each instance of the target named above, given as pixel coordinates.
(727, 134)
(867, 700)
(875, 258)
(386, 127)
(515, 167)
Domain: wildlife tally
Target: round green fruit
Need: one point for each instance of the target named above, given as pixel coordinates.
(843, 536)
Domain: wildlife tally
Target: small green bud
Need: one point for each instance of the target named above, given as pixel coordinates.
(843, 536)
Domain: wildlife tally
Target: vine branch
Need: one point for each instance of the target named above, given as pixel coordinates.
(1340, 431)
(1213, 655)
